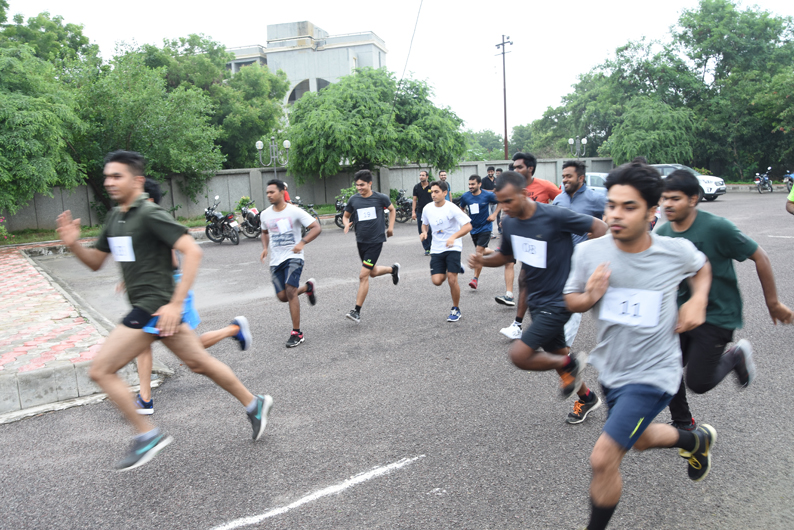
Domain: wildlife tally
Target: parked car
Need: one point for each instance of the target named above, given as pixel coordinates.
(710, 187)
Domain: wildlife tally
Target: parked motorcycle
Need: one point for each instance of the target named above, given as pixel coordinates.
(404, 207)
(788, 178)
(308, 208)
(251, 225)
(763, 182)
(219, 226)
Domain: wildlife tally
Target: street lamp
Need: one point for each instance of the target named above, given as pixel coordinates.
(277, 156)
(577, 146)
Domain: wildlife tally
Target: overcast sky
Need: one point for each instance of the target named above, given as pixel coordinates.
(454, 48)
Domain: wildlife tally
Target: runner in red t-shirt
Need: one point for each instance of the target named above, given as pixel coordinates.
(540, 190)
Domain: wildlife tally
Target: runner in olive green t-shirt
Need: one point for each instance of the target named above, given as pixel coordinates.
(703, 348)
(141, 235)
(790, 202)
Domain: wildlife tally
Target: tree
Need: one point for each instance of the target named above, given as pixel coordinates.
(37, 125)
(521, 139)
(484, 145)
(366, 121)
(3, 10)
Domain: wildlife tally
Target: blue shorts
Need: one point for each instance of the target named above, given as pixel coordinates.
(288, 272)
(631, 409)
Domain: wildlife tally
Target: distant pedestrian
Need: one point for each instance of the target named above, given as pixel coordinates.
(421, 199)
(478, 202)
(442, 176)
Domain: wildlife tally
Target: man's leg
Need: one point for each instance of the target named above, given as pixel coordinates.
(454, 288)
(510, 275)
(211, 338)
(429, 239)
(709, 363)
(606, 485)
(295, 304)
(438, 279)
(145, 362)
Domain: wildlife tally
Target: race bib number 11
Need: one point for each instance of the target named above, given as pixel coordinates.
(631, 307)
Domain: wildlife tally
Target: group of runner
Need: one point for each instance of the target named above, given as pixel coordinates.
(653, 295)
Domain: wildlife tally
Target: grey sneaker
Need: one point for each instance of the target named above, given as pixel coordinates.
(143, 451)
(259, 416)
(505, 300)
(745, 366)
(354, 316)
(581, 409)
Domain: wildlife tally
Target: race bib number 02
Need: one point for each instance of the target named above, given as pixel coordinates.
(366, 214)
(631, 307)
(121, 247)
(529, 251)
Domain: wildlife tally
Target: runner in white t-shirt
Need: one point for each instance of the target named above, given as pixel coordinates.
(281, 236)
(447, 224)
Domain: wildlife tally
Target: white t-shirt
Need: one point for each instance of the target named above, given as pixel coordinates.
(284, 228)
(444, 221)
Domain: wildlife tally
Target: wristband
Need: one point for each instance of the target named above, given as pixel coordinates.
(304, 242)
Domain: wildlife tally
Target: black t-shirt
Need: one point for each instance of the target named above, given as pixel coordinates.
(488, 184)
(544, 246)
(423, 198)
(367, 214)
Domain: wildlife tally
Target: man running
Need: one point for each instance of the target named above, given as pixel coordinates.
(421, 199)
(442, 176)
(478, 203)
(704, 355)
(140, 235)
(630, 279)
(539, 235)
(367, 207)
(282, 225)
(448, 224)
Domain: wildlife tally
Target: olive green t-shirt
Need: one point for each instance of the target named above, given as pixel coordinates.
(141, 240)
(721, 242)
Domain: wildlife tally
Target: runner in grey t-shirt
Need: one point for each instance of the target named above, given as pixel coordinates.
(630, 279)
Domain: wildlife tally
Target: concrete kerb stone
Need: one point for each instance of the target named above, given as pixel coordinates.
(9, 393)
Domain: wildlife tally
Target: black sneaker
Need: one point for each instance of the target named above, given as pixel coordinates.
(259, 417)
(582, 408)
(571, 377)
(295, 338)
(244, 335)
(311, 285)
(684, 425)
(144, 407)
(395, 273)
(700, 459)
(143, 451)
(745, 366)
(354, 316)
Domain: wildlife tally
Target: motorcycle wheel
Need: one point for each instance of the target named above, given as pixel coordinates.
(760, 188)
(788, 185)
(339, 221)
(214, 233)
(249, 231)
(233, 235)
(402, 216)
(771, 189)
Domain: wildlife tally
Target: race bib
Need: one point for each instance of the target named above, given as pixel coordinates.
(366, 214)
(529, 251)
(121, 247)
(474, 209)
(283, 226)
(631, 307)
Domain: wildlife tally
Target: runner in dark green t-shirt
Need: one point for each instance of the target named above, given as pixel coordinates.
(140, 235)
(703, 348)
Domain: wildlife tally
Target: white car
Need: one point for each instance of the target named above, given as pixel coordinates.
(710, 187)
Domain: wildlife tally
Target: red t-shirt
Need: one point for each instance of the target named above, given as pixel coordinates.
(542, 191)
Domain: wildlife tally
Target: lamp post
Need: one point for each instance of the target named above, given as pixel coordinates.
(277, 156)
(577, 146)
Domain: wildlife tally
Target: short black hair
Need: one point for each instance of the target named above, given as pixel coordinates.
(135, 161)
(511, 167)
(578, 166)
(642, 177)
(640, 160)
(424, 171)
(441, 184)
(499, 170)
(512, 178)
(528, 158)
(477, 178)
(683, 181)
(364, 174)
(152, 187)
(490, 168)
(280, 184)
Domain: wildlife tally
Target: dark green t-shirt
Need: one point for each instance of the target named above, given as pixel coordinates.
(721, 242)
(141, 239)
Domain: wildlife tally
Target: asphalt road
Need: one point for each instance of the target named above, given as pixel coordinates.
(490, 446)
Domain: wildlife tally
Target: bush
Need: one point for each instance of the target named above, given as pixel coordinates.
(703, 171)
(244, 200)
(346, 193)
(3, 232)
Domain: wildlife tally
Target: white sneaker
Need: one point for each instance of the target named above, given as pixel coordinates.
(512, 332)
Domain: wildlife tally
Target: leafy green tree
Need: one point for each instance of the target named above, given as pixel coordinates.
(484, 145)
(352, 122)
(521, 139)
(3, 10)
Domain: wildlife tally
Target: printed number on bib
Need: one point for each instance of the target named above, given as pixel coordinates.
(631, 307)
(529, 251)
(121, 247)
(366, 214)
(474, 209)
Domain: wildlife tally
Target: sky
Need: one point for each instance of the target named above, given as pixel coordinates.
(454, 49)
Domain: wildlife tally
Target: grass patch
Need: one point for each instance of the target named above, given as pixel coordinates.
(35, 236)
(192, 222)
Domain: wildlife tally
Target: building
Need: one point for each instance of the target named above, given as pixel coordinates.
(311, 58)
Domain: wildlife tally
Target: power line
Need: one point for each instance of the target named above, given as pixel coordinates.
(410, 46)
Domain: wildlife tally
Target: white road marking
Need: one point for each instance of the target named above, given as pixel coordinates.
(782, 237)
(330, 490)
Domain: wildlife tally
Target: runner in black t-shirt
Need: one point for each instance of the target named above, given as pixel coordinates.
(367, 207)
(422, 198)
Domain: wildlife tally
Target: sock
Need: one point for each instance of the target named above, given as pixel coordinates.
(358, 308)
(144, 401)
(509, 294)
(147, 436)
(589, 397)
(475, 278)
(687, 440)
(296, 330)
(519, 320)
(252, 405)
(600, 516)
(568, 361)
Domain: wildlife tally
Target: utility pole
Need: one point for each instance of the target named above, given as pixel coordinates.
(502, 45)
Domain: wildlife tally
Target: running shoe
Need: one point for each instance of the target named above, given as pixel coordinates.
(311, 285)
(295, 338)
(684, 425)
(513, 331)
(700, 459)
(473, 283)
(354, 316)
(259, 416)
(427, 252)
(582, 408)
(395, 273)
(745, 366)
(454, 315)
(143, 451)
(144, 407)
(244, 335)
(505, 300)
(494, 236)
(571, 376)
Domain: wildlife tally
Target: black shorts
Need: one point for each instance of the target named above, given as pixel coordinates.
(482, 239)
(445, 262)
(137, 318)
(547, 330)
(369, 254)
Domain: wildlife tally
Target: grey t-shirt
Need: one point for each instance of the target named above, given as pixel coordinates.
(637, 342)
(367, 214)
